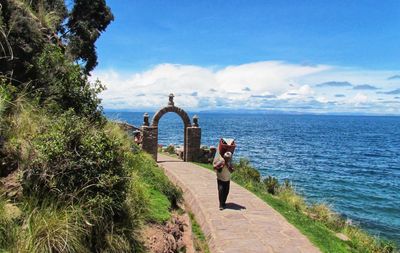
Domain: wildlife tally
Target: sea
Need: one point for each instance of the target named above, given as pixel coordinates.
(351, 163)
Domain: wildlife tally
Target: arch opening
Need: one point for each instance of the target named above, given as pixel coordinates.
(191, 138)
(171, 131)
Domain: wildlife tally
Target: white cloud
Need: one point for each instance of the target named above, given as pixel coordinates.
(259, 85)
(303, 93)
(358, 99)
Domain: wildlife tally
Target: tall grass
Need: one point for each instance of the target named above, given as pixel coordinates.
(54, 229)
(7, 227)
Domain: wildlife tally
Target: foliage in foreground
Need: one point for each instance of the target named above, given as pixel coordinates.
(318, 222)
(84, 190)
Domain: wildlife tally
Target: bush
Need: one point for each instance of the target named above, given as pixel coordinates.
(290, 196)
(245, 172)
(170, 149)
(62, 86)
(324, 213)
(68, 157)
(271, 184)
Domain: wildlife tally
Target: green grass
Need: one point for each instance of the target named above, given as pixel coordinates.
(320, 232)
(200, 242)
(159, 207)
(147, 169)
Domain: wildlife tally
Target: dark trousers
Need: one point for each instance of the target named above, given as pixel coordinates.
(223, 191)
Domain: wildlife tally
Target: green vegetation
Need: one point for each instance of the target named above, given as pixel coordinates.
(151, 174)
(159, 207)
(78, 182)
(170, 149)
(84, 190)
(200, 242)
(318, 222)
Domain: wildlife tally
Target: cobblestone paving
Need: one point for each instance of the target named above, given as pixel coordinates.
(247, 225)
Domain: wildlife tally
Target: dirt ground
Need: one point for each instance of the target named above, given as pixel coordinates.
(173, 237)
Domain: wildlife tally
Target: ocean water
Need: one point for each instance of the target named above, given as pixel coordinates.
(349, 162)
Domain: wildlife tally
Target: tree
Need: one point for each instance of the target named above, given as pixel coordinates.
(88, 19)
(41, 44)
(28, 25)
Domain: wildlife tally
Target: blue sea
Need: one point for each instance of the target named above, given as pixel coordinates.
(351, 163)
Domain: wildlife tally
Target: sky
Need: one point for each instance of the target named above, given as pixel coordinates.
(303, 56)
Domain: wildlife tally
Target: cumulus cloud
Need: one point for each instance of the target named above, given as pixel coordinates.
(237, 82)
(259, 85)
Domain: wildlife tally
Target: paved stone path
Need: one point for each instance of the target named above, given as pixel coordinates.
(248, 225)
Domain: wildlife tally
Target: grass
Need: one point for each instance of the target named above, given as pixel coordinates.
(200, 242)
(7, 227)
(159, 207)
(55, 230)
(317, 222)
(147, 169)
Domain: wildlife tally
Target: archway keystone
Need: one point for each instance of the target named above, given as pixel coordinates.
(192, 133)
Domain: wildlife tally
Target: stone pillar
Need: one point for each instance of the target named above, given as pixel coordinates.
(193, 142)
(150, 137)
(150, 140)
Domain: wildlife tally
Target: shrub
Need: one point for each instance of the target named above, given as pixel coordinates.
(271, 184)
(324, 213)
(245, 172)
(290, 196)
(62, 86)
(170, 149)
(68, 157)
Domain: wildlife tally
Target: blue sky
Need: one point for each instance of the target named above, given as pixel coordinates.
(286, 55)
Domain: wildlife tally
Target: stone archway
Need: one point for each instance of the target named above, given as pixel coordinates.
(192, 132)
